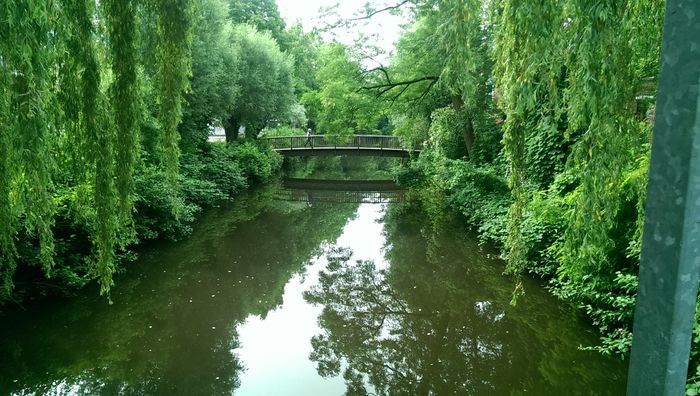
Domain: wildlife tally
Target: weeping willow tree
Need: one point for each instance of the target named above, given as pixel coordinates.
(69, 97)
(27, 54)
(528, 64)
(574, 71)
(174, 66)
(593, 44)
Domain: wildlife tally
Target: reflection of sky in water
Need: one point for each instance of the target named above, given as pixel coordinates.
(275, 350)
(363, 235)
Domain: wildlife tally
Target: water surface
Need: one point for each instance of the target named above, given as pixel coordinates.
(297, 298)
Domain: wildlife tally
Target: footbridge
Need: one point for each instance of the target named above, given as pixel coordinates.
(320, 145)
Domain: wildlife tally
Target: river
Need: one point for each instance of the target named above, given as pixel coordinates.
(271, 297)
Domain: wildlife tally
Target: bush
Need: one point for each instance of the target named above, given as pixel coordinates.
(210, 179)
(542, 226)
(159, 212)
(481, 194)
(258, 162)
(411, 176)
(206, 180)
(446, 136)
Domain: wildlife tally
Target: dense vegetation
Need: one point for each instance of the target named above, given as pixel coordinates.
(105, 109)
(534, 118)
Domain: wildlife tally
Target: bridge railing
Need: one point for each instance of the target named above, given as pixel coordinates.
(380, 142)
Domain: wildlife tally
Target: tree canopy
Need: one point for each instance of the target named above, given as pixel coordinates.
(266, 82)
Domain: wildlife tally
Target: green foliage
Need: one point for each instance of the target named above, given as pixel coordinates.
(283, 131)
(481, 195)
(413, 176)
(122, 26)
(70, 77)
(265, 82)
(562, 94)
(445, 133)
(609, 304)
(526, 49)
(156, 206)
(411, 128)
(303, 47)
(90, 111)
(174, 67)
(487, 147)
(262, 14)
(339, 108)
(418, 54)
(460, 36)
(206, 180)
(28, 52)
(257, 161)
(215, 72)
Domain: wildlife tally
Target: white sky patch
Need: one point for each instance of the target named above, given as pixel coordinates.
(385, 28)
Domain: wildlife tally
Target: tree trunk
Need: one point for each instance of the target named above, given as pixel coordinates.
(468, 126)
(231, 129)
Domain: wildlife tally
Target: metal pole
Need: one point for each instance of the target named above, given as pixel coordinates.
(670, 262)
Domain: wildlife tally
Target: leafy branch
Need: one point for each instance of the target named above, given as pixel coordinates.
(382, 89)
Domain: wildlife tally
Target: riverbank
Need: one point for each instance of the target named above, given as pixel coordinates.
(208, 178)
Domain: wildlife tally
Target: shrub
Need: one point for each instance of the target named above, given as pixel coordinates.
(258, 162)
(159, 212)
(481, 194)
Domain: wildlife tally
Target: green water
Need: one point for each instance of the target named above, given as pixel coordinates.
(289, 298)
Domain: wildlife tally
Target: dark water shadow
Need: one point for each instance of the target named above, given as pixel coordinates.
(340, 191)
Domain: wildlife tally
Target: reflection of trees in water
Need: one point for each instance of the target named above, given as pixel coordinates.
(171, 329)
(438, 322)
(413, 346)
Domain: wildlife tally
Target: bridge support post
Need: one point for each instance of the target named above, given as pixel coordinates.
(670, 263)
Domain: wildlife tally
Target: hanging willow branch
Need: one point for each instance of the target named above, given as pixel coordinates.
(528, 54)
(121, 18)
(26, 55)
(600, 89)
(53, 108)
(8, 220)
(174, 65)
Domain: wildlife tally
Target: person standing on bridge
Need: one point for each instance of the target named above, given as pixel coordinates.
(308, 138)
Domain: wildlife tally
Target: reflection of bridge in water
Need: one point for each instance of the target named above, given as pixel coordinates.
(340, 191)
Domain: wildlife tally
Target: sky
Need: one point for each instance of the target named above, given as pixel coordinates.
(387, 27)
